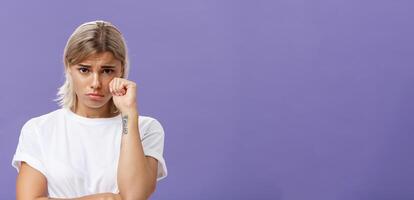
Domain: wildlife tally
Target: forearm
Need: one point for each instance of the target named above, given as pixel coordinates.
(133, 171)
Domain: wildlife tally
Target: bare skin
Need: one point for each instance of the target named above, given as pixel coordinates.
(100, 74)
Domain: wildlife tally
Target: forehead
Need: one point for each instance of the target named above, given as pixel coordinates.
(101, 58)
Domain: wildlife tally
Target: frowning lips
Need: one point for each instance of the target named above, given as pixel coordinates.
(95, 94)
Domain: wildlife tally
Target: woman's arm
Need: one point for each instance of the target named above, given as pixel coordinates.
(136, 172)
(32, 185)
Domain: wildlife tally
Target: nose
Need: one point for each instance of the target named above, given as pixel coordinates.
(96, 82)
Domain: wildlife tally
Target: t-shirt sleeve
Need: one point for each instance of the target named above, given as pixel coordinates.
(28, 148)
(153, 145)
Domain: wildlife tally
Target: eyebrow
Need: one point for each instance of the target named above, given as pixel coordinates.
(107, 66)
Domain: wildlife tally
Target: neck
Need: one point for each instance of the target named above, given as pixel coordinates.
(102, 112)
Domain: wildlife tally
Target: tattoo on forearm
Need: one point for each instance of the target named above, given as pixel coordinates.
(125, 124)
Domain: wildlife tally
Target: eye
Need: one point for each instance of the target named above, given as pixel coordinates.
(83, 70)
(108, 71)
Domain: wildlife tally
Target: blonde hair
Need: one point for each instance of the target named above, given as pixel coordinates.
(91, 38)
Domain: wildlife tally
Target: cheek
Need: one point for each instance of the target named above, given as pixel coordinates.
(78, 83)
(105, 84)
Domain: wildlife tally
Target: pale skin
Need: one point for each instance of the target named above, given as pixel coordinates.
(136, 175)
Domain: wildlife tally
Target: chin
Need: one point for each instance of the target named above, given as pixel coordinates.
(96, 105)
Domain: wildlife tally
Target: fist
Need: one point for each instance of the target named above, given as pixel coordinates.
(124, 94)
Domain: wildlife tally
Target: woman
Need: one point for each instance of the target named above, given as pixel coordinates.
(96, 146)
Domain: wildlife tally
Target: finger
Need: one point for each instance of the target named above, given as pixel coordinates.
(122, 92)
(123, 87)
(112, 86)
(117, 86)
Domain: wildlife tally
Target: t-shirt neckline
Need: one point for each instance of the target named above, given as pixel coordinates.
(87, 120)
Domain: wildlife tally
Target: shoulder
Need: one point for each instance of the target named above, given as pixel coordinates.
(42, 120)
(147, 120)
(149, 124)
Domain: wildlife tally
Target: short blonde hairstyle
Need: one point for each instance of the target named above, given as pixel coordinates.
(91, 38)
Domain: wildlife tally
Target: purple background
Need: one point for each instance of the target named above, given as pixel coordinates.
(289, 99)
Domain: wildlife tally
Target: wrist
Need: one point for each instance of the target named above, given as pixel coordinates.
(130, 112)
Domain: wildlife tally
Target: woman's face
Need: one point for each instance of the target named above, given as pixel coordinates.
(91, 77)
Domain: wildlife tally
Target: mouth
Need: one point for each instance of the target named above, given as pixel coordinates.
(95, 96)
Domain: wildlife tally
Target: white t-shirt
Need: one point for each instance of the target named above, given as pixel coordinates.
(79, 155)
